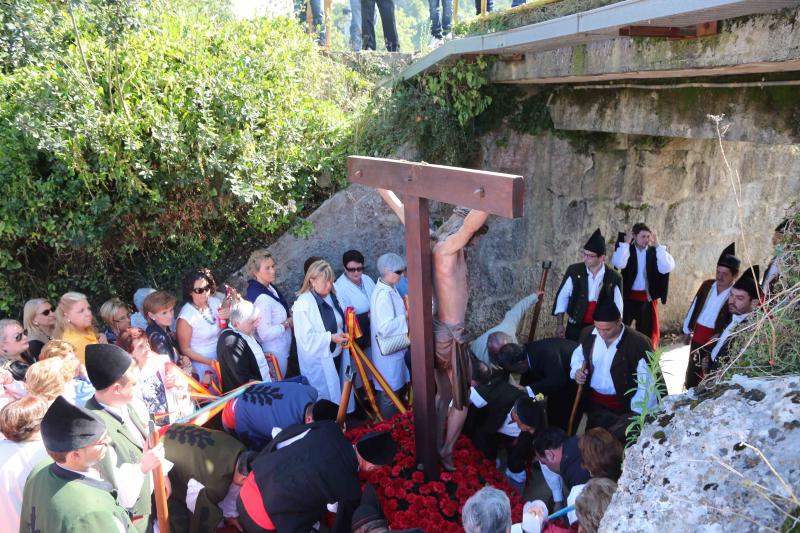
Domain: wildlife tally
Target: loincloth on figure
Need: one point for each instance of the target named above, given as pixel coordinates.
(452, 356)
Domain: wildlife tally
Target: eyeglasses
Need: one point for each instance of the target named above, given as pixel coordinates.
(201, 290)
(400, 272)
(590, 255)
(123, 318)
(23, 333)
(355, 269)
(47, 312)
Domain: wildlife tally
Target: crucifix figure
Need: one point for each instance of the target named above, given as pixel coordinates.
(483, 192)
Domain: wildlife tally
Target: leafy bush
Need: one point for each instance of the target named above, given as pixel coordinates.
(148, 138)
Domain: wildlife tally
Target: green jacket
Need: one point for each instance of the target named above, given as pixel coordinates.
(127, 450)
(208, 456)
(56, 500)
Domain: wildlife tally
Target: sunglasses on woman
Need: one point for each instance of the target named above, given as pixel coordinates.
(355, 269)
(47, 312)
(201, 290)
(400, 272)
(23, 333)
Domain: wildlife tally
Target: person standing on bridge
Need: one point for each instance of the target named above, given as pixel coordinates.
(451, 292)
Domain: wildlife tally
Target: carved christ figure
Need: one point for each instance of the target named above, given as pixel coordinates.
(451, 293)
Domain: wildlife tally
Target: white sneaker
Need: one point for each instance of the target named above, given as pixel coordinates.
(435, 43)
(448, 37)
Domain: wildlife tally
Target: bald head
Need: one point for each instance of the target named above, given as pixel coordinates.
(496, 340)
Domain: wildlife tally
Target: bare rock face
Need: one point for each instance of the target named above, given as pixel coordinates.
(718, 460)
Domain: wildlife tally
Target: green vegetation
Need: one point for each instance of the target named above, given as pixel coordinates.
(139, 139)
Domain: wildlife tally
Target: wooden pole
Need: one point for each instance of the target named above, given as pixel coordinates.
(159, 487)
(538, 308)
(587, 361)
(309, 17)
(484, 7)
(341, 414)
(455, 12)
(420, 319)
(328, 24)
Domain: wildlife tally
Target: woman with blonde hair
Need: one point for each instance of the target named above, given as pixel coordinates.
(319, 330)
(53, 377)
(75, 323)
(64, 350)
(117, 317)
(14, 348)
(39, 318)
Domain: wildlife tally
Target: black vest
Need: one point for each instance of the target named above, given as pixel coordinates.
(632, 347)
(579, 300)
(657, 283)
(724, 316)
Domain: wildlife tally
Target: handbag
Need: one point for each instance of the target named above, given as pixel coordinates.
(390, 344)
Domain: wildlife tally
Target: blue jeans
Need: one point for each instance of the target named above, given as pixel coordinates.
(515, 3)
(355, 25)
(316, 17)
(489, 6)
(440, 24)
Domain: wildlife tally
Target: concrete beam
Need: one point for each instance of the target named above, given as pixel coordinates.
(759, 44)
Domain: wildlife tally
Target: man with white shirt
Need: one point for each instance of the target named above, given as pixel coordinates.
(129, 461)
(645, 265)
(69, 494)
(743, 300)
(488, 345)
(581, 287)
(708, 316)
(560, 461)
(616, 376)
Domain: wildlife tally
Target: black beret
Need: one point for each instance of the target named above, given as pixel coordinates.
(530, 412)
(748, 282)
(66, 427)
(377, 447)
(606, 310)
(105, 364)
(596, 243)
(728, 258)
(324, 410)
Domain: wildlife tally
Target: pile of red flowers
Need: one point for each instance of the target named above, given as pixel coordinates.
(409, 500)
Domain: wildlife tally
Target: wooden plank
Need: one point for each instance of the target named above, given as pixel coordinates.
(420, 324)
(493, 192)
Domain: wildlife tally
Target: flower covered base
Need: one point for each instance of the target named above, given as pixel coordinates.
(409, 500)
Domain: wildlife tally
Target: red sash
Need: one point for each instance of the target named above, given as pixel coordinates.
(609, 401)
(254, 504)
(655, 328)
(229, 415)
(702, 334)
(588, 316)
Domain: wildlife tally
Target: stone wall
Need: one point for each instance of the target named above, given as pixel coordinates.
(691, 472)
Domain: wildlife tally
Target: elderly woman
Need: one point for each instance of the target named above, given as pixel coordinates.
(319, 332)
(139, 318)
(198, 322)
(39, 318)
(19, 423)
(354, 289)
(117, 318)
(241, 358)
(275, 325)
(75, 324)
(592, 503)
(160, 389)
(388, 317)
(14, 348)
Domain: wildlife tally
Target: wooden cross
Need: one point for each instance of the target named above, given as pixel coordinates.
(492, 192)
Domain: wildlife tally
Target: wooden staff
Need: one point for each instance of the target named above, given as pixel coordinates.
(587, 363)
(538, 307)
(160, 489)
(346, 390)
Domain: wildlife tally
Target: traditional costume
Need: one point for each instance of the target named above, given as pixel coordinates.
(57, 499)
(707, 317)
(274, 310)
(618, 377)
(580, 289)
(645, 280)
(204, 464)
(303, 471)
(263, 407)
(509, 326)
(772, 274)
(548, 374)
(316, 319)
(747, 282)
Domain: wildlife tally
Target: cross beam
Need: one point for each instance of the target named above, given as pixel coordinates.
(492, 192)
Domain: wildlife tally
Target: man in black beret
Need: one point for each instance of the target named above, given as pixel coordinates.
(708, 315)
(744, 299)
(583, 283)
(306, 471)
(616, 376)
(68, 494)
(772, 274)
(129, 462)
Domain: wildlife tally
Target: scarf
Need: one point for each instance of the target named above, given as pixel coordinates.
(327, 314)
(256, 289)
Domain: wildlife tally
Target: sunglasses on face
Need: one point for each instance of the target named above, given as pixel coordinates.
(355, 269)
(201, 290)
(400, 272)
(23, 333)
(47, 312)
(123, 318)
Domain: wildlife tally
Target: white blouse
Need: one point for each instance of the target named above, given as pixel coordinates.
(271, 334)
(205, 330)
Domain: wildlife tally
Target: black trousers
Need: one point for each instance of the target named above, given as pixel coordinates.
(519, 450)
(694, 368)
(641, 312)
(386, 9)
(616, 423)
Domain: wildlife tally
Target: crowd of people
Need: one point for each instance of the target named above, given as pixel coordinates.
(76, 399)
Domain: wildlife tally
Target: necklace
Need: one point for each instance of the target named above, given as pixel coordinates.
(206, 313)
